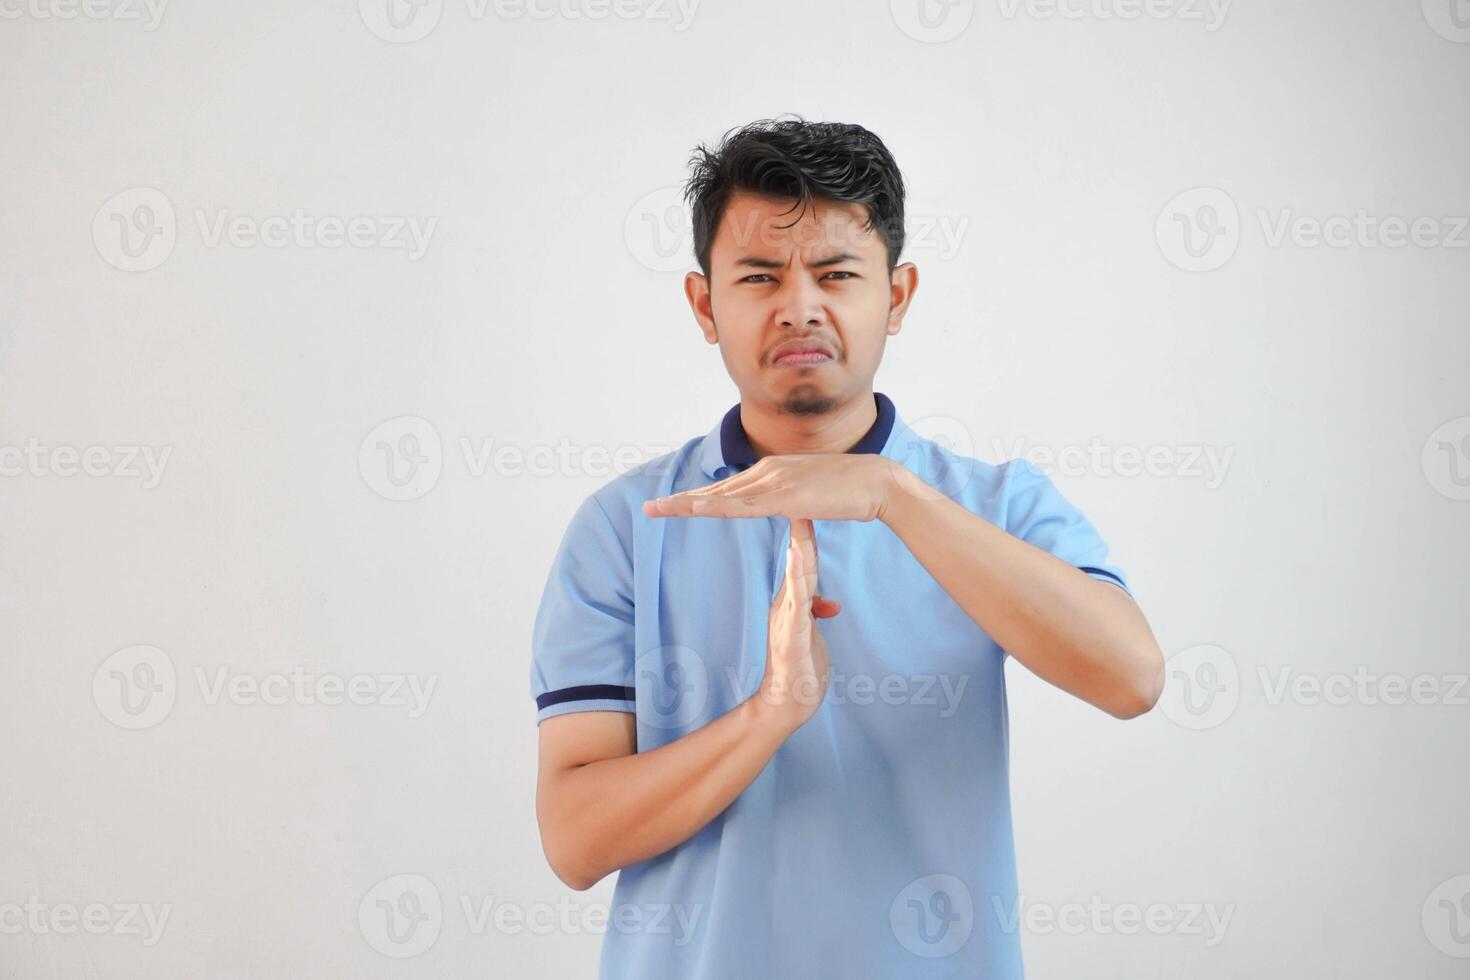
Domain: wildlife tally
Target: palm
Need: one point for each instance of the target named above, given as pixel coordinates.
(797, 662)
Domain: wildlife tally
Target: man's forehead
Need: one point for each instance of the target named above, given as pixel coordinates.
(757, 225)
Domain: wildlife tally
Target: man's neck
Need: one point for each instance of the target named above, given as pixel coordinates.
(773, 433)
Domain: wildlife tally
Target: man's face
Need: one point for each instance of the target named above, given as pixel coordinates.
(821, 284)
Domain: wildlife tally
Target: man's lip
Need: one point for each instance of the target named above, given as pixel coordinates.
(803, 357)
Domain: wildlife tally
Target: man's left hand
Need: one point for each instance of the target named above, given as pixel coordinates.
(816, 486)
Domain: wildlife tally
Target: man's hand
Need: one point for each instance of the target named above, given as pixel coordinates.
(797, 663)
(602, 805)
(812, 487)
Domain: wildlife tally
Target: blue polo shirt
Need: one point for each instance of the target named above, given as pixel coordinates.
(877, 840)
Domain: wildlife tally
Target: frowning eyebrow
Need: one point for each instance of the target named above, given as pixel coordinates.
(759, 263)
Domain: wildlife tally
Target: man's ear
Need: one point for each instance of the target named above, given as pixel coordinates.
(903, 282)
(696, 288)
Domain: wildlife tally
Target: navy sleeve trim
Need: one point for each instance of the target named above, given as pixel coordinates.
(586, 692)
(1103, 571)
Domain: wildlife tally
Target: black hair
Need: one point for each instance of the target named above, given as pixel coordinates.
(797, 159)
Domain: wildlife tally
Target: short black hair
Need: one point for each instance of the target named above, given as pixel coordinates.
(795, 158)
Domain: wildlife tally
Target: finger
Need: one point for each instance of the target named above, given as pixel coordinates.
(756, 499)
(803, 539)
(824, 608)
(799, 581)
(728, 485)
(751, 503)
(664, 506)
(754, 503)
(794, 619)
(744, 477)
(805, 532)
(745, 488)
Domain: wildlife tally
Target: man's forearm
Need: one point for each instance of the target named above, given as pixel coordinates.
(1085, 636)
(605, 815)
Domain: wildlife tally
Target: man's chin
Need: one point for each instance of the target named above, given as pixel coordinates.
(805, 399)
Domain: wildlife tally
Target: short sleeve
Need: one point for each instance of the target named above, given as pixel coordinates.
(1037, 513)
(582, 641)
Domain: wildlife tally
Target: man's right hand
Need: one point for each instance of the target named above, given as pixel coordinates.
(797, 663)
(602, 804)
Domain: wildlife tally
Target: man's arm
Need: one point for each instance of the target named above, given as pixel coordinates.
(1086, 636)
(602, 805)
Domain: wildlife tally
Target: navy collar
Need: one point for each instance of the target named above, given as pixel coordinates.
(735, 444)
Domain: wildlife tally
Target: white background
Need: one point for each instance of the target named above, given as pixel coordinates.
(1052, 145)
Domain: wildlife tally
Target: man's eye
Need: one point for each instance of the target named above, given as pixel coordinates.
(762, 276)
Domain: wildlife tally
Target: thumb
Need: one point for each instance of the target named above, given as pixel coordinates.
(824, 608)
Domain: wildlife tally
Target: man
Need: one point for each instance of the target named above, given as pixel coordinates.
(768, 666)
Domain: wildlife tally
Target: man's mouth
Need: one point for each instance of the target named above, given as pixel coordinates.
(805, 357)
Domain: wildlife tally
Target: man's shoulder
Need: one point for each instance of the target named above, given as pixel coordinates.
(977, 484)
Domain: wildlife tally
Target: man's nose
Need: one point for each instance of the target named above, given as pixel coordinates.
(800, 302)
